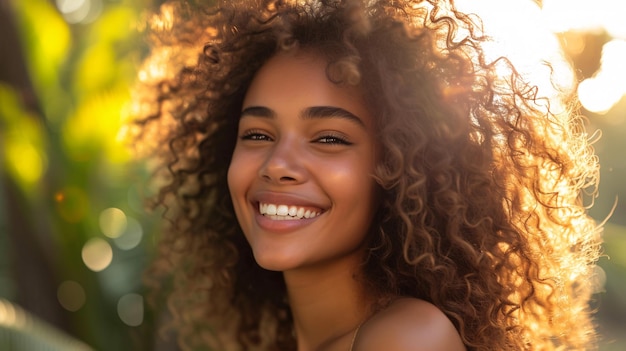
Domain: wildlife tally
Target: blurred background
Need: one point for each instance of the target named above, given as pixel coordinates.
(74, 237)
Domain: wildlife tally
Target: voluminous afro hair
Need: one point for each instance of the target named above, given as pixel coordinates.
(481, 210)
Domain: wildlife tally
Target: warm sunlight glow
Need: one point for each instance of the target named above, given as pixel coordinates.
(528, 47)
(601, 92)
(154, 68)
(583, 15)
(165, 20)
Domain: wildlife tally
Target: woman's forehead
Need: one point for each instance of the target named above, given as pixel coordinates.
(299, 80)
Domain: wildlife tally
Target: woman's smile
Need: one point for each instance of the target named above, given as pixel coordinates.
(286, 212)
(277, 218)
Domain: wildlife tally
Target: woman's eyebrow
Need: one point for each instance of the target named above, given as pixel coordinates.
(258, 111)
(331, 112)
(315, 112)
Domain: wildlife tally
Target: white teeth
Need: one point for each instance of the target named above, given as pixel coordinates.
(271, 209)
(293, 211)
(282, 210)
(285, 212)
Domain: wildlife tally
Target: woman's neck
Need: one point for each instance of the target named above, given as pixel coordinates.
(327, 303)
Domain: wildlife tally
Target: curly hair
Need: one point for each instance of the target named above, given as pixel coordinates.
(482, 210)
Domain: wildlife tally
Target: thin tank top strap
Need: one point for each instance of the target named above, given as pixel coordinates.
(356, 332)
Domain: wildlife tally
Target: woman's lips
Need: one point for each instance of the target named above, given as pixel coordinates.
(283, 213)
(282, 224)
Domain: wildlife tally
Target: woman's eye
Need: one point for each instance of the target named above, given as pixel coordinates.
(333, 139)
(255, 136)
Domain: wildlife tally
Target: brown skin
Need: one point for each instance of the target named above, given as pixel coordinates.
(322, 164)
(327, 306)
(409, 324)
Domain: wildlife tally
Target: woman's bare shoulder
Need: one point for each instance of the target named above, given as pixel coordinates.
(409, 324)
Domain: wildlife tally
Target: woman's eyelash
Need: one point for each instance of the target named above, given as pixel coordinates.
(333, 139)
(255, 135)
(325, 139)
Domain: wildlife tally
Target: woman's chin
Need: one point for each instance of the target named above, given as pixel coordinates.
(273, 262)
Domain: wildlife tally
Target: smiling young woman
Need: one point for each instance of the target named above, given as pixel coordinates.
(352, 175)
(305, 145)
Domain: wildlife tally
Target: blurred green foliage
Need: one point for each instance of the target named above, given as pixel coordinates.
(63, 168)
(63, 165)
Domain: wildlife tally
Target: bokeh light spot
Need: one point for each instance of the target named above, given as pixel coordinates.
(113, 222)
(601, 92)
(595, 97)
(71, 295)
(72, 204)
(131, 237)
(74, 11)
(130, 309)
(79, 11)
(97, 254)
(10, 315)
(69, 6)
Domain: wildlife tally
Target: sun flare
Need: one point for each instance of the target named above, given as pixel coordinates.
(536, 52)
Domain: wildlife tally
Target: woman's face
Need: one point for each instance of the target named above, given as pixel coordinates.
(300, 176)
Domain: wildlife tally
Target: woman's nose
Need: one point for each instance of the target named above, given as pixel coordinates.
(283, 164)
